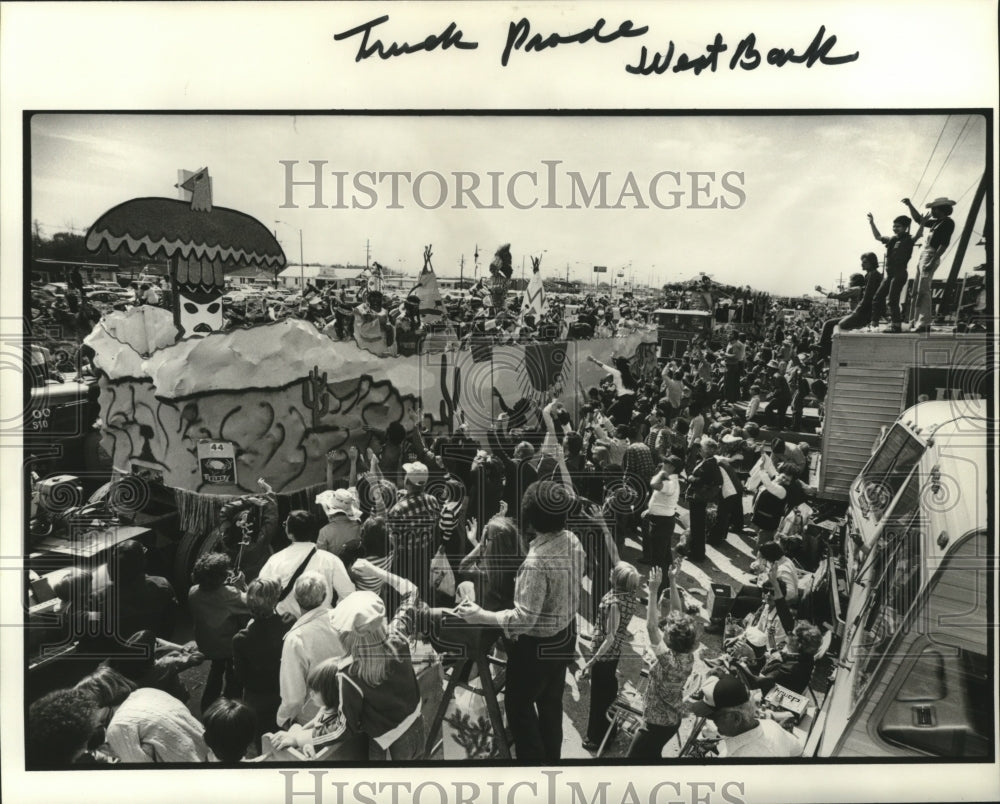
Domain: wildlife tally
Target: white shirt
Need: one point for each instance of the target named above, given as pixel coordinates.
(310, 641)
(282, 565)
(786, 572)
(766, 739)
(153, 726)
(728, 489)
(663, 502)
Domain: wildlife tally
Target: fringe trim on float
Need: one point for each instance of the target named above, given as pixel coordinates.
(199, 513)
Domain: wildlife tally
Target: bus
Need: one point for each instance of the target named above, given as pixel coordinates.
(676, 329)
(914, 675)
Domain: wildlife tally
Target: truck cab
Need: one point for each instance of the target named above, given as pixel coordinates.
(914, 671)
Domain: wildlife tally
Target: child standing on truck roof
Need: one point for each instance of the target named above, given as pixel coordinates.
(898, 250)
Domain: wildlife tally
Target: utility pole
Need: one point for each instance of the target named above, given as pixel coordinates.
(368, 252)
(302, 264)
(461, 274)
(963, 244)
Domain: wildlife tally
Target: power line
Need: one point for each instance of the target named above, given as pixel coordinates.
(954, 145)
(929, 158)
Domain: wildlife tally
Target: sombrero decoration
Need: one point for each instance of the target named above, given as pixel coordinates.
(200, 241)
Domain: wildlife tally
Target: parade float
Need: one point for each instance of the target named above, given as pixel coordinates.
(205, 413)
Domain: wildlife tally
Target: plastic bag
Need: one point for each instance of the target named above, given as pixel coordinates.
(467, 731)
(442, 576)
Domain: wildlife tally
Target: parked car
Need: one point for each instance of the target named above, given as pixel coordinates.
(107, 297)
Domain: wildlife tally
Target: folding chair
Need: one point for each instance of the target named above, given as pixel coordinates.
(626, 712)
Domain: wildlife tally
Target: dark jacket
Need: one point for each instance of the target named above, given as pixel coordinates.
(257, 655)
(706, 481)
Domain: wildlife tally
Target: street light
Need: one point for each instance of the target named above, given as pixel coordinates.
(302, 264)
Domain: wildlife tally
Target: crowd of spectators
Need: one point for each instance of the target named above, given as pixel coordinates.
(494, 529)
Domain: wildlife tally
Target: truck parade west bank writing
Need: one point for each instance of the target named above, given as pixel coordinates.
(747, 54)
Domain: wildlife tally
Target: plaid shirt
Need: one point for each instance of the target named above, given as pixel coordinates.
(638, 461)
(412, 526)
(547, 589)
(626, 604)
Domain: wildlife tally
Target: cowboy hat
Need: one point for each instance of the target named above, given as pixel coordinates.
(339, 501)
(940, 201)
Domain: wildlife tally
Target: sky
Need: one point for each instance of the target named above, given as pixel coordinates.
(799, 186)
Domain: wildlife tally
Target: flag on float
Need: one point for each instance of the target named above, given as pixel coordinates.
(534, 294)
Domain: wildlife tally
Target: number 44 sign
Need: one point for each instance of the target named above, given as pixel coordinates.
(217, 460)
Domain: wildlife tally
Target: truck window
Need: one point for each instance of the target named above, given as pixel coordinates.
(894, 586)
(887, 470)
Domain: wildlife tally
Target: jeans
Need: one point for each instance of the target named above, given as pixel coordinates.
(649, 741)
(661, 531)
(220, 681)
(536, 679)
(728, 513)
(890, 289)
(777, 410)
(603, 691)
(861, 317)
(748, 599)
(696, 539)
(923, 303)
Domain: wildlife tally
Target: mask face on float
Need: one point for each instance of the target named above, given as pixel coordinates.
(197, 313)
(198, 285)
